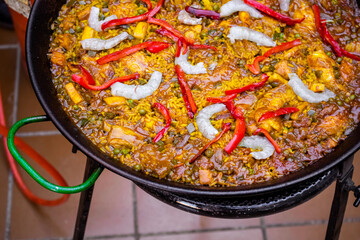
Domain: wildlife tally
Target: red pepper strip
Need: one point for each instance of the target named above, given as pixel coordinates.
(238, 134)
(185, 47)
(186, 92)
(130, 50)
(199, 46)
(233, 110)
(318, 21)
(157, 47)
(267, 135)
(165, 112)
(255, 68)
(203, 13)
(156, 8)
(123, 21)
(226, 127)
(178, 48)
(222, 99)
(88, 78)
(167, 33)
(278, 112)
(251, 87)
(170, 28)
(80, 80)
(148, 4)
(282, 18)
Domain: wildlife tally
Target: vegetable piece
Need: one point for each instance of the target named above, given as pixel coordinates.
(205, 176)
(239, 132)
(99, 44)
(87, 33)
(271, 140)
(140, 30)
(185, 18)
(170, 28)
(255, 68)
(137, 91)
(257, 142)
(279, 112)
(94, 22)
(306, 94)
(167, 33)
(328, 38)
(226, 127)
(251, 87)
(188, 68)
(203, 13)
(222, 99)
(123, 21)
(156, 9)
(238, 5)
(232, 109)
(115, 101)
(282, 18)
(186, 92)
(203, 120)
(165, 112)
(153, 47)
(82, 81)
(73, 93)
(244, 33)
(88, 78)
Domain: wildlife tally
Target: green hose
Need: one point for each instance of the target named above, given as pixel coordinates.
(36, 176)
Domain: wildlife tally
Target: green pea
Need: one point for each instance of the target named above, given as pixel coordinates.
(76, 107)
(352, 96)
(281, 36)
(340, 103)
(203, 35)
(176, 85)
(339, 59)
(109, 115)
(337, 74)
(141, 11)
(125, 151)
(78, 29)
(84, 122)
(347, 100)
(209, 153)
(328, 53)
(318, 73)
(116, 151)
(137, 167)
(297, 35)
(251, 171)
(142, 81)
(161, 145)
(142, 111)
(216, 7)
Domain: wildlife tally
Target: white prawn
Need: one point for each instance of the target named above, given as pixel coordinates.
(185, 18)
(97, 44)
(93, 19)
(238, 5)
(203, 120)
(257, 142)
(187, 67)
(244, 33)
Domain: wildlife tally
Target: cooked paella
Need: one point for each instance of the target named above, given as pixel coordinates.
(210, 92)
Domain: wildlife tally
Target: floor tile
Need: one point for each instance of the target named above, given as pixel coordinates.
(351, 211)
(7, 36)
(111, 211)
(253, 234)
(4, 173)
(156, 216)
(312, 232)
(350, 231)
(32, 221)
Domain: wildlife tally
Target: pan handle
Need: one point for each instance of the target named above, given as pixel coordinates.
(35, 175)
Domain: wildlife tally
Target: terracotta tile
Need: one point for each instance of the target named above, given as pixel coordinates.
(311, 232)
(111, 210)
(253, 234)
(29, 105)
(350, 231)
(31, 221)
(156, 216)
(7, 36)
(7, 70)
(4, 173)
(351, 211)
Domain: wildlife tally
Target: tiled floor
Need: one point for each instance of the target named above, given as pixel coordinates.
(119, 209)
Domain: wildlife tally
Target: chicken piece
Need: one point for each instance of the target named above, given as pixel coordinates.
(347, 70)
(135, 62)
(319, 61)
(123, 136)
(68, 22)
(283, 69)
(100, 73)
(332, 125)
(58, 58)
(306, 27)
(353, 46)
(66, 40)
(125, 9)
(84, 14)
(205, 177)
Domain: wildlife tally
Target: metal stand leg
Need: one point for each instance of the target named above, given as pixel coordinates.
(84, 204)
(340, 200)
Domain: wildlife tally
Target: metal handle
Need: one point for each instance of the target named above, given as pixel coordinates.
(36, 176)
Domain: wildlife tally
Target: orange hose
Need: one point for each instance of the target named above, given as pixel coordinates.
(37, 158)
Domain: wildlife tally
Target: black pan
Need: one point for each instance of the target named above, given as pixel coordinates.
(37, 43)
